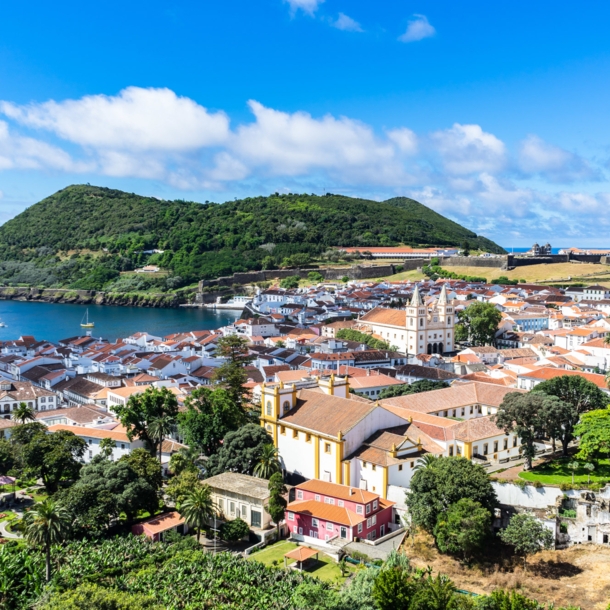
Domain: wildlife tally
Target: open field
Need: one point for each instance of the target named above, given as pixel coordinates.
(576, 576)
(324, 569)
(587, 273)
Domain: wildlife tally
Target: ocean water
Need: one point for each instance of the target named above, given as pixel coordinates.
(52, 322)
(553, 250)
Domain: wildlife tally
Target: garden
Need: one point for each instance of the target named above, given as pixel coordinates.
(567, 471)
(325, 568)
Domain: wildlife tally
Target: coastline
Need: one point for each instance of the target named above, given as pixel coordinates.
(93, 297)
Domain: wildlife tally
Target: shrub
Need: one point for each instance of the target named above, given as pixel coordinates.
(537, 484)
(292, 281)
(520, 483)
(235, 530)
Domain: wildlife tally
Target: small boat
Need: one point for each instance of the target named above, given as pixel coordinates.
(85, 321)
(2, 324)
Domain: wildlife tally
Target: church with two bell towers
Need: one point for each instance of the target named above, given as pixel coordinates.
(416, 329)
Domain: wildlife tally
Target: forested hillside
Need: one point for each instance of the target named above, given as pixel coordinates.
(84, 236)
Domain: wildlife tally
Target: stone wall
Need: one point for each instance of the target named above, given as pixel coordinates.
(357, 272)
(474, 261)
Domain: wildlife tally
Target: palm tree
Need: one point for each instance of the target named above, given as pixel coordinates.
(159, 428)
(268, 462)
(106, 447)
(23, 413)
(425, 461)
(46, 524)
(198, 507)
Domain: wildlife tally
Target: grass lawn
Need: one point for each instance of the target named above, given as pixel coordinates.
(324, 569)
(557, 472)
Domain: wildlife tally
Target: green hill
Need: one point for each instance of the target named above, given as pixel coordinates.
(83, 236)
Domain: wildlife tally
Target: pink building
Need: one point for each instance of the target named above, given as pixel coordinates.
(324, 511)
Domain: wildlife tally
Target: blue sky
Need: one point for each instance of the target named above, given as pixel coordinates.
(495, 115)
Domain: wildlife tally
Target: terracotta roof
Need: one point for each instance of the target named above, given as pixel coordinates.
(372, 381)
(456, 396)
(476, 429)
(326, 512)
(162, 523)
(92, 432)
(342, 492)
(80, 415)
(383, 315)
(545, 373)
(326, 414)
(301, 553)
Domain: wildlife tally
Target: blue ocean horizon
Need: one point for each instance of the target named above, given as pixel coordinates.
(553, 250)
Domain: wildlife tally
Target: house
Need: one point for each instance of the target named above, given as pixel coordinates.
(12, 393)
(372, 384)
(325, 511)
(156, 527)
(596, 293)
(86, 415)
(528, 381)
(93, 437)
(240, 495)
(418, 329)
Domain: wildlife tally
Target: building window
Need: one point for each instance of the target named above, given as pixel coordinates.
(232, 511)
(412, 465)
(505, 443)
(368, 523)
(374, 519)
(368, 509)
(286, 406)
(363, 464)
(360, 528)
(290, 515)
(299, 494)
(329, 526)
(515, 440)
(471, 408)
(399, 467)
(451, 451)
(326, 447)
(317, 497)
(308, 438)
(269, 408)
(340, 503)
(122, 445)
(282, 429)
(495, 446)
(374, 467)
(458, 450)
(485, 449)
(314, 522)
(359, 509)
(295, 434)
(375, 504)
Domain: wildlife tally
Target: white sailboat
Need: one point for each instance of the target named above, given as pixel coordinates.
(85, 321)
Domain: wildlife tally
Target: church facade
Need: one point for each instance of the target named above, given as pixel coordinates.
(416, 329)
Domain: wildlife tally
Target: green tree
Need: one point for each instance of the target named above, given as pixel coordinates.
(573, 466)
(180, 485)
(478, 323)
(463, 529)
(209, 416)
(90, 596)
(277, 503)
(345, 279)
(508, 600)
(184, 459)
(240, 452)
(445, 482)
(594, 435)
(23, 413)
(232, 374)
(198, 508)
(159, 428)
(290, 282)
(394, 590)
(268, 462)
(436, 593)
(528, 416)
(425, 461)
(106, 489)
(145, 466)
(315, 277)
(423, 385)
(142, 409)
(576, 391)
(349, 334)
(235, 530)
(8, 459)
(107, 445)
(45, 524)
(527, 535)
(53, 457)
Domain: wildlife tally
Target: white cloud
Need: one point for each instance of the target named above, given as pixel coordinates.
(418, 29)
(467, 149)
(404, 139)
(135, 119)
(293, 144)
(346, 23)
(307, 6)
(20, 152)
(539, 157)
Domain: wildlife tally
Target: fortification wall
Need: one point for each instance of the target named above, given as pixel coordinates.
(357, 272)
(474, 261)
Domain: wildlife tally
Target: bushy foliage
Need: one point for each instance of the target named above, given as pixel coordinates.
(49, 243)
(234, 530)
(350, 334)
(423, 385)
(435, 271)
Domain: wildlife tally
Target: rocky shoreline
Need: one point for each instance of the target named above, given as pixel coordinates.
(92, 297)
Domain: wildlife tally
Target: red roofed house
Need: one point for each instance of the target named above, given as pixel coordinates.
(323, 511)
(156, 527)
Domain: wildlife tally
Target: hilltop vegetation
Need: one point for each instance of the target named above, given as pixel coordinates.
(84, 236)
